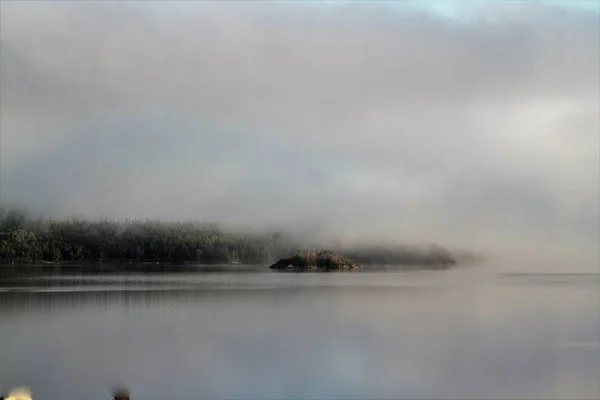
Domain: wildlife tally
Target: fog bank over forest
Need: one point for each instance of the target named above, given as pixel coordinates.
(357, 122)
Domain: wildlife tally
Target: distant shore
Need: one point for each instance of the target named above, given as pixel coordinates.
(25, 240)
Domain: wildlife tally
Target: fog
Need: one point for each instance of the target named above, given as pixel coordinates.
(354, 121)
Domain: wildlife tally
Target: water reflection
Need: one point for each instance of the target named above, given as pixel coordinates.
(249, 335)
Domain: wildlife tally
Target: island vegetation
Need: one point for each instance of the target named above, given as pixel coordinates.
(434, 256)
(315, 260)
(24, 239)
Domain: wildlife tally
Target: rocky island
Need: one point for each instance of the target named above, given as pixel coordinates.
(313, 260)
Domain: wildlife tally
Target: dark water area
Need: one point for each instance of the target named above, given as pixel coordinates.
(246, 332)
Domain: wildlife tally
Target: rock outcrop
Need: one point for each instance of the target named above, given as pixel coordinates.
(314, 260)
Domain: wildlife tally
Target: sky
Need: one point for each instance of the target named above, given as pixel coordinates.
(469, 124)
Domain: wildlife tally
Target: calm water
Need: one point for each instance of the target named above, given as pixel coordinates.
(250, 333)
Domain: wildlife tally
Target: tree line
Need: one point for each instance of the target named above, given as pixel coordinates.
(25, 239)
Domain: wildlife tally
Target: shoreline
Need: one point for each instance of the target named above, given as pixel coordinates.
(191, 265)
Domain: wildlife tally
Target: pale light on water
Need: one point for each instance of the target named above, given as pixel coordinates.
(250, 333)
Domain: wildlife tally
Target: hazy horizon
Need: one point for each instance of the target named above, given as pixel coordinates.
(473, 126)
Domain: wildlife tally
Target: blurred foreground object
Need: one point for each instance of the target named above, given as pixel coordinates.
(18, 394)
(121, 394)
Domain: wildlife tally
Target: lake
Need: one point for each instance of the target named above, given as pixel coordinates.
(245, 332)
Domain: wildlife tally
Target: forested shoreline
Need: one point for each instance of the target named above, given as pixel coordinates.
(23, 239)
(29, 240)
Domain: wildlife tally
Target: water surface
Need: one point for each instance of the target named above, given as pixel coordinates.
(245, 332)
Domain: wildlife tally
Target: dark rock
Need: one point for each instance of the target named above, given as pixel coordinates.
(315, 260)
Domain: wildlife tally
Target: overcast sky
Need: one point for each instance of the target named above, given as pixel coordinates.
(464, 123)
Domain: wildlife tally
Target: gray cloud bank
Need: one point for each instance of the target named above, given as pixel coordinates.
(357, 121)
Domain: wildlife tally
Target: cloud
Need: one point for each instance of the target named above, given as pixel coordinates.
(367, 120)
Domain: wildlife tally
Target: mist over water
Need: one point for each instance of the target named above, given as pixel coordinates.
(342, 125)
(476, 128)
